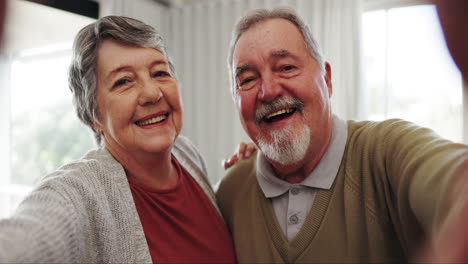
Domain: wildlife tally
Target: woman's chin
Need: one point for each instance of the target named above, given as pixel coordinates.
(159, 145)
(141, 147)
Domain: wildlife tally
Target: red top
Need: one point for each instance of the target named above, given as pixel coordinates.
(181, 224)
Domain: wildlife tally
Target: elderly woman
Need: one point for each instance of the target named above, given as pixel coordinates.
(143, 196)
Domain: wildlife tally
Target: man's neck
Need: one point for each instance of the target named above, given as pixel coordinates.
(299, 171)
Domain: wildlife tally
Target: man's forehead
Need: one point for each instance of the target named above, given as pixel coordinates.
(278, 36)
(272, 55)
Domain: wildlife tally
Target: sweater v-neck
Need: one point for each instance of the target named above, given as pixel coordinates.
(290, 251)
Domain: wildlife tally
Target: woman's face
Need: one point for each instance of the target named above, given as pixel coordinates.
(139, 106)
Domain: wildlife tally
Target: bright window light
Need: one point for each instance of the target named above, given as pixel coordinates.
(42, 131)
(408, 71)
(45, 130)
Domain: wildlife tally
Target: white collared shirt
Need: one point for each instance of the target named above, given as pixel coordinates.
(292, 202)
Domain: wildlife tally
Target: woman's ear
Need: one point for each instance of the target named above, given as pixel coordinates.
(97, 127)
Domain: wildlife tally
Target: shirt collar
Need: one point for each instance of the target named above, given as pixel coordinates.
(321, 177)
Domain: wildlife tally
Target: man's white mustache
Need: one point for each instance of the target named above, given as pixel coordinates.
(279, 103)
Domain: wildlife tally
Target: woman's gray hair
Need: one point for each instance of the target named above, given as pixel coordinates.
(258, 15)
(82, 79)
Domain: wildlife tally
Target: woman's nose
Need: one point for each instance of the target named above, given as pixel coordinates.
(150, 93)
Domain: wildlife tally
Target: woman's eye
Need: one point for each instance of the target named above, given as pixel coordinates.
(121, 82)
(161, 74)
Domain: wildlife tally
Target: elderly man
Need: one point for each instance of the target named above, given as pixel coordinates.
(321, 189)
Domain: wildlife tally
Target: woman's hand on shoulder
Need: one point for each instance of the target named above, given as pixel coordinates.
(243, 151)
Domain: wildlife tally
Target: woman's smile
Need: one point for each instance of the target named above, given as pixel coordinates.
(153, 120)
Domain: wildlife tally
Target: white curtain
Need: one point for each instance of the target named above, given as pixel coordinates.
(148, 11)
(199, 40)
(5, 127)
(198, 37)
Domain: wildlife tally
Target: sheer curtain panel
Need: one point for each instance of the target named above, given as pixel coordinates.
(148, 11)
(198, 37)
(199, 40)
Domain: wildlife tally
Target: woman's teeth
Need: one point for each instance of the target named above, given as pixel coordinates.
(151, 121)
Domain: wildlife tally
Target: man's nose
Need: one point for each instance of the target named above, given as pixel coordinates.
(270, 88)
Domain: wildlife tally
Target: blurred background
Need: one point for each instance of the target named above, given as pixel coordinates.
(388, 59)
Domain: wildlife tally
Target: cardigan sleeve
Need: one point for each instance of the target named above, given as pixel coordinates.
(44, 229)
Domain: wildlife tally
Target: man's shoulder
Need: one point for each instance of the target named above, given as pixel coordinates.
(387, 131)
(387, 124)
(238, 178)
(239, 183)
(385, 127)
(240, 171)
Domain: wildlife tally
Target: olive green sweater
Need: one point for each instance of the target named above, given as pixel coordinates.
(388, 195)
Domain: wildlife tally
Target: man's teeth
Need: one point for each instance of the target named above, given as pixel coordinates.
(280, 112)
(152, 120)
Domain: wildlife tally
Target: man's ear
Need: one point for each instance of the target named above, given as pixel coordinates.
(328, 78)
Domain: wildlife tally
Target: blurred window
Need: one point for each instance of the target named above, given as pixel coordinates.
(408, 71)
(43, 132)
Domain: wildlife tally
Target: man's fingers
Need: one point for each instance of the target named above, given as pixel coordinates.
(241, 150)
(251, 147)
(227, 163)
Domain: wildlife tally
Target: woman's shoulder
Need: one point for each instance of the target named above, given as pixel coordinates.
(184, 145)
(187, 153)
(93, 169)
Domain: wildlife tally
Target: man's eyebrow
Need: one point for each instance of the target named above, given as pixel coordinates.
(282, 54)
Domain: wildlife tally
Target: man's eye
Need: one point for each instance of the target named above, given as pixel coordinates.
(246, 81)
(161, 74)
(287, 68)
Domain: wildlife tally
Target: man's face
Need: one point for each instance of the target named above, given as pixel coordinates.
(281, 93)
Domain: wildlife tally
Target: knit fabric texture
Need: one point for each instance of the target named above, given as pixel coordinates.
(84, 212)
(390, 192)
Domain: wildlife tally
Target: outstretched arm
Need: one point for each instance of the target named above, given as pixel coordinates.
(450, 243)
(44, 229)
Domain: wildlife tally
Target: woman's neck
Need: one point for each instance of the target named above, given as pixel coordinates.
(154, 170)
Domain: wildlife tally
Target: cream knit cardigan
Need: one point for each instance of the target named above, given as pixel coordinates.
(84, 212)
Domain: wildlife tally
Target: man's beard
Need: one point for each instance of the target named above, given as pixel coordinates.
(285, 147)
